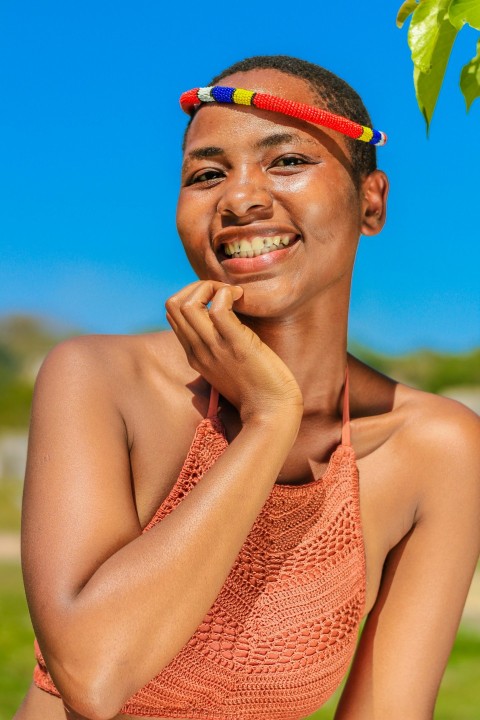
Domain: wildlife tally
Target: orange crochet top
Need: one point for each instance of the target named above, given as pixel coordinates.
(280, 636)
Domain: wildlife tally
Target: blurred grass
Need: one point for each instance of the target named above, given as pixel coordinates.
(459, 697)
(16, 640)
(10, 504)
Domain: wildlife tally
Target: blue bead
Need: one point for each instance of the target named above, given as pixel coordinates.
(377, 136)
(223, 94)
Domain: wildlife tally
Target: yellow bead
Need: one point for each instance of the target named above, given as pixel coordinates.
(243, 97)
(367, 134)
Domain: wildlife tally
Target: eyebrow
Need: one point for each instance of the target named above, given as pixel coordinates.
(201, 153)
(205, 152)
(281, 139)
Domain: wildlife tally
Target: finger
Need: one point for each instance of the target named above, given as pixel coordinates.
(190, 310)
(221, 312)
(194, 316)
(195, 347)
(184, 312)
(198, 292)
(171, 322)
(188, 314)
(209, 289)
(181, 336)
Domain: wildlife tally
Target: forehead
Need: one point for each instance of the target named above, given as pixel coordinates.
(221, 119)
(273, 82)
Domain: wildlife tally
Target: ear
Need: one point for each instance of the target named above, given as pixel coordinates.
(373, 197)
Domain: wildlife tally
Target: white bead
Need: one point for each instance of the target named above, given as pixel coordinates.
(204, 94)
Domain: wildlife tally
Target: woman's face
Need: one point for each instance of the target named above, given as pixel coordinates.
(268, 202)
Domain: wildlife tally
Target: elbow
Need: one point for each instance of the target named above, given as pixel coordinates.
(88, 709)
(91, 695)
(90, 704)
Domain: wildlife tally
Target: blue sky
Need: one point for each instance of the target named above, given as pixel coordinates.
(90, 134)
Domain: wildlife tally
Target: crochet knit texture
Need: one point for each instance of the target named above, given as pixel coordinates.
(280, 636)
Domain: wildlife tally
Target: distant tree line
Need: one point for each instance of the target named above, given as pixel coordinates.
(24, 342)
(426, 369)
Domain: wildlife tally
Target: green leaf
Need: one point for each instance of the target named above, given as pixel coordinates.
(428, 84)
(407, 9)
(426, 27)
(470, 79)
(464, 11)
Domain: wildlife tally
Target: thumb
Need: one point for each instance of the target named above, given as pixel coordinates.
(237, 292)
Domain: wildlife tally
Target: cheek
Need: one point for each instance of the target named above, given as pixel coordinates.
(326, 206)
(192, 222)
(196, 258)
(185, 217)
(333, 216)
(193, 227)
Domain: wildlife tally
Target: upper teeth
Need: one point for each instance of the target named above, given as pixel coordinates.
(256, 246)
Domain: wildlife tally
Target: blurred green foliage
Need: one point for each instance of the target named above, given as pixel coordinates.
(459, 696)
(24, 341)
(10, 504)
(15, 401)
(426, 369)
(16, 641)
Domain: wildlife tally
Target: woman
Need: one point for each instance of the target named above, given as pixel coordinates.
(261, 549)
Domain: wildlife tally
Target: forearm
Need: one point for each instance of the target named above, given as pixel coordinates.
(143, 604)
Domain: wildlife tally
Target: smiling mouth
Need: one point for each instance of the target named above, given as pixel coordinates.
(256, 246)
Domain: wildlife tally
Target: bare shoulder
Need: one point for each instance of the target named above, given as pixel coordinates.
(112, 354)
(409, 418)
(109, 411)
(442, 432)
(114, 365)
(423, 441)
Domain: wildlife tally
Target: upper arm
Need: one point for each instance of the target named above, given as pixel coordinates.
(409, 633)
(78, 507)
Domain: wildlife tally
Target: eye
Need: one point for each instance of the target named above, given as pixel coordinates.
(290, 161)
(205, 176)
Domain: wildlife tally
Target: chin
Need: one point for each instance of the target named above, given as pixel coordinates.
(263, 302)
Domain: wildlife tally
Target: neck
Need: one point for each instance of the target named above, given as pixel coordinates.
(312, 342)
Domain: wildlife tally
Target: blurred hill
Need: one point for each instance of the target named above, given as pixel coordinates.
(425, 369)
(25, 340)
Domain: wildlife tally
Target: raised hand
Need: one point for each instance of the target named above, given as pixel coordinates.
(228, 354)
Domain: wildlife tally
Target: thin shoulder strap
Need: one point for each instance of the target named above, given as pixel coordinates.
(346, 411)
(213, 404)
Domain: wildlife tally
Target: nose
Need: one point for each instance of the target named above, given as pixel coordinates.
(245, 197)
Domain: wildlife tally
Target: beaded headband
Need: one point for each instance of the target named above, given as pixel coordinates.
(263, 101)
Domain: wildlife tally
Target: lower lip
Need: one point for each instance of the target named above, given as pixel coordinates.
(243, 266)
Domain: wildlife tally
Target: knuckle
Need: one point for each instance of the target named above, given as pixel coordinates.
(193, 362)
(240, 352)
(172, 303)
(187, 308)
(216, 311)
(191, 354)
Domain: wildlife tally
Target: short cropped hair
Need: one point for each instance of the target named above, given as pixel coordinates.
(334, 94)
